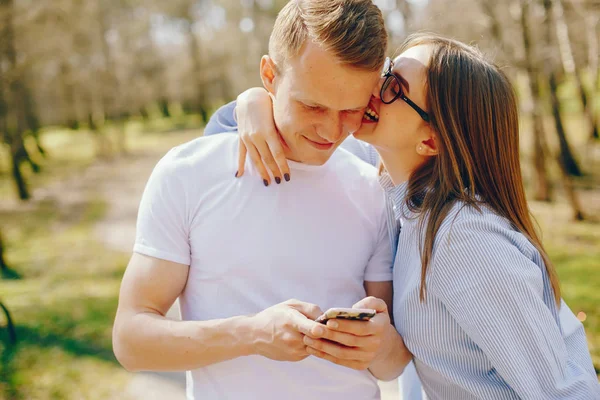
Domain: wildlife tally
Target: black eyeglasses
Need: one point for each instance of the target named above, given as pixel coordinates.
(391, 90)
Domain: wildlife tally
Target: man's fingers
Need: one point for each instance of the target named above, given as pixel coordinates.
(303, 324)
(356, 328)
(242, 152)
(344, 338)
(279, 156)
(269, 160)
(373, 303)
(338, 351)
(358, 365)
(258, 163)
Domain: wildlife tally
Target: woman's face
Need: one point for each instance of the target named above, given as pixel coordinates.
(400, 128)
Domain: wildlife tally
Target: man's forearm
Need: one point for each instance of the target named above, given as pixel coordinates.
(151, 342)
(392, 361)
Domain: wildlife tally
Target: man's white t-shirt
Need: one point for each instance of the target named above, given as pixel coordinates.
(316, 238)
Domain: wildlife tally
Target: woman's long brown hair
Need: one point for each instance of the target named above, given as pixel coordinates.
(473, 111)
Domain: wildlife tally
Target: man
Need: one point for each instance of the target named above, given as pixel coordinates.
(234, 252)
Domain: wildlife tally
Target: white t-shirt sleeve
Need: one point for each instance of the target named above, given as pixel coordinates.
(380, 267)
(162, 224)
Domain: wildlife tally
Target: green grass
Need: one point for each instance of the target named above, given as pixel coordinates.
(64, 284)
(63, 305)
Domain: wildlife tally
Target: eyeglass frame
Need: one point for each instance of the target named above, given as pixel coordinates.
(387, 74)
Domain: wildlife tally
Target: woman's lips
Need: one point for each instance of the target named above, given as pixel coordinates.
(371, 114)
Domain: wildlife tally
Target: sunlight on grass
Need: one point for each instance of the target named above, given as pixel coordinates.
(63, 306)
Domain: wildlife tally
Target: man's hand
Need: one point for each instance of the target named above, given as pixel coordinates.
(354, 344)
(279, 330)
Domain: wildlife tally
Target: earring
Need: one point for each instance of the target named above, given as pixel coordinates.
(420, 148)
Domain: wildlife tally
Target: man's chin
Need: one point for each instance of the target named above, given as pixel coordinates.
(316, 158)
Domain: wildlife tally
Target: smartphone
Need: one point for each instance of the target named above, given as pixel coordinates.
(356, 314)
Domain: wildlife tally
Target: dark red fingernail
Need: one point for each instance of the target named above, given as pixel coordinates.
(236, 173)
(278, 180)
(287, 177)
(266, 182)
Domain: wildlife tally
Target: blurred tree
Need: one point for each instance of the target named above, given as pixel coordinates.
(542, 188)
(570, 65)
(567, 158)
(567, 164)
(3, 264)
(14, 113)
(12, 333)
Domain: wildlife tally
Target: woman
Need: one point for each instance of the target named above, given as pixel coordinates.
(476, 298)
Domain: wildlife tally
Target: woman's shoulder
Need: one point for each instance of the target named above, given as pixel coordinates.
(482, 228)
(476, 249)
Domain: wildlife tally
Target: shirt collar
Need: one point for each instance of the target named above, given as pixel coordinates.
(396, 193)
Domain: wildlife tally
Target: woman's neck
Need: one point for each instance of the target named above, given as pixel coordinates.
(399, 166)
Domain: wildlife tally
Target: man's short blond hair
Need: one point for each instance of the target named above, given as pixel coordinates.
(353, 30)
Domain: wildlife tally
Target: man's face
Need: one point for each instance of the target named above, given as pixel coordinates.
(318, 102)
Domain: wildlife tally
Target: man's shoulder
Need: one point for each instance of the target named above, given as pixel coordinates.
(204, 149)
(198, 159)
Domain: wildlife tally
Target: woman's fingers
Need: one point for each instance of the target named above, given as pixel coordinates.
(278, 154)
(267, 157)
(264, 154)
(258, 163)
(242, 152)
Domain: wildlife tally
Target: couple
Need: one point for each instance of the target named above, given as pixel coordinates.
(476, 302)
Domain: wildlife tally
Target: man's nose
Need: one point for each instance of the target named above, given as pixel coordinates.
(333, 128)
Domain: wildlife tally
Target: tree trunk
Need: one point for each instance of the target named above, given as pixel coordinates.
(194, 48)
(569, 63)
(18, 177)
(594, 67)
(571, 194)
(163, 104)
(566, 154)
(68, 91)
(542, 188)
(3, 264)
(12, 333)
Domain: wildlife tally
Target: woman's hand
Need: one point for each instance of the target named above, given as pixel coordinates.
(355, 344)
(259, 137)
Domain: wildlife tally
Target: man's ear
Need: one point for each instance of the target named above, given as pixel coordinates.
(268, 73)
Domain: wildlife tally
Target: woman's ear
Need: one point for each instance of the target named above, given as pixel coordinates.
(428, 147)
(268, 73)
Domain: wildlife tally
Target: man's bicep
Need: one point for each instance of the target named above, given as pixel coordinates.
(151, 285)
